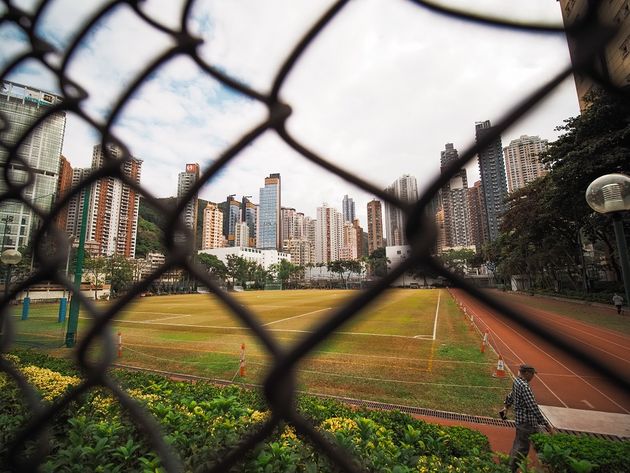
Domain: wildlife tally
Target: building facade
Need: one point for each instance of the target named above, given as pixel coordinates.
(249, 212)
(613, 63)
(522, 161)
(347, 209)
(185, 181)
(375, 225)
(405, 189)
(231, 209)
(493, 180)
(113, 211)
(265, 258)
(269, 226)
(21, 106)
(328, 234)
(212, 229)
(455, 202)
(476, 211)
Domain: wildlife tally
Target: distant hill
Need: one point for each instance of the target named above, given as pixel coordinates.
(151, 221)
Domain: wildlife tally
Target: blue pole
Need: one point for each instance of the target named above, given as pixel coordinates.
(25, 305)
(62, 310)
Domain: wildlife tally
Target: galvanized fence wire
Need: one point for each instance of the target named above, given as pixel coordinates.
(280, 384)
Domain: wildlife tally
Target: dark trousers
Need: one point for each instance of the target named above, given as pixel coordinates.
(520, 448)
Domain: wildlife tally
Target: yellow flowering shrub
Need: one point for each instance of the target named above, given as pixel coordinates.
(336, 424)
(258, 416)
(49, 383)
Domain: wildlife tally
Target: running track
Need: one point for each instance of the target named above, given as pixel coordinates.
(560, 381)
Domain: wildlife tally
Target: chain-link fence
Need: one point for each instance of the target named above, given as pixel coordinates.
(588, 36)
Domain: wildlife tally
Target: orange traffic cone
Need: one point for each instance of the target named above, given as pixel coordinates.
(500, 372)
(242, 366)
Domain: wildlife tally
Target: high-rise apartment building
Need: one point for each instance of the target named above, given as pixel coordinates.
(301, 250)
(405, 189)
(455, 202)
(269, 234)
(349, 249)
(375, 225)
(289, 223)
(493, 181)
(64, 186)
(212, 233)
(241, 235)
(360, 238)
(74, 210)
(328, 234)
(185, 181)
(477, 212)
(20, 106)
(113, 212)
(522, 162)
(249, 212)
(613, 63)
(347, 209)
(231, 209)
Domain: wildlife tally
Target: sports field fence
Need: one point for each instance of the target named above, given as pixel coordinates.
(279, 385)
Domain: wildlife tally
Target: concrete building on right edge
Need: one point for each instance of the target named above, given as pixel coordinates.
(404, 188)
(375, 226)
(493, 180)
(522, 162)
(613, 63)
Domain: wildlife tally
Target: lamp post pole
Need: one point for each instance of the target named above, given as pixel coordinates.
(611, 194)
(73, 316)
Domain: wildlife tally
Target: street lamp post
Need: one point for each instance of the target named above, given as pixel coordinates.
(9, 257)
(610, 194)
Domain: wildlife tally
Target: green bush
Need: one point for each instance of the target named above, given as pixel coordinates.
(581, 454)
(202, 421)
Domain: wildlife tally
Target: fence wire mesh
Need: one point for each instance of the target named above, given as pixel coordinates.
(589, 36)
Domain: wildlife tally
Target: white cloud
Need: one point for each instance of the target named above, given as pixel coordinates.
(379, 93)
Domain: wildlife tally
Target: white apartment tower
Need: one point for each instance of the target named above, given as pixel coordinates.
(328, 234)
(522, 162)
(212, 234)
(404, 188)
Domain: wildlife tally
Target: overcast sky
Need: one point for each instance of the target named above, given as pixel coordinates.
(380, 92)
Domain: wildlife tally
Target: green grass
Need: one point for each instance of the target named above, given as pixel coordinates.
(385, 353)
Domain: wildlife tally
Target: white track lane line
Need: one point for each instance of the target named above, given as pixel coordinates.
(296, 316)
(561, 364)
(515, 356)
(166, 318)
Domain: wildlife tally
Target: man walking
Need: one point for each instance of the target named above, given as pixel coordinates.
(618, 302)
(526, 414)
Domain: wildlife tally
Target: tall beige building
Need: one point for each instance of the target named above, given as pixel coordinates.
(349, 250)
(522, 162)
(375, 226)
(614, 62)
(328, 234)
(212, 234)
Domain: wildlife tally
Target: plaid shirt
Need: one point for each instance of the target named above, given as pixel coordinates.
(526, 409)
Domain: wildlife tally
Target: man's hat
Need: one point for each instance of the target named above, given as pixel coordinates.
(528, 368)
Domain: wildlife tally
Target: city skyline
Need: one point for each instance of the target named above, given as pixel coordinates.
(380, 112)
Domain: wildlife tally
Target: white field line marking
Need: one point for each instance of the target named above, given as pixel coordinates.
(296, 316)
(588, 404)
(437, 309)
(167, 318)
(564, 366)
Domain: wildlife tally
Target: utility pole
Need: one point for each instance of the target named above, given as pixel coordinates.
(73, 317)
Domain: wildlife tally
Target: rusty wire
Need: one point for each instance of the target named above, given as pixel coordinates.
(279, 386)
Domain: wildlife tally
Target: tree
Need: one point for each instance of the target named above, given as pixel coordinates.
(378, 263)
(237, 269)
(96, 268)
(457, 260)
(541, 230)
(121, 274)
(213, 265)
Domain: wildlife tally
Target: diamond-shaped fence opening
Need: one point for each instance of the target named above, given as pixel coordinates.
(51, 245)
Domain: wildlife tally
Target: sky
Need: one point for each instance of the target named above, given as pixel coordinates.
(380, 92)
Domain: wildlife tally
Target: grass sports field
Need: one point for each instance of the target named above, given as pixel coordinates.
(411, 347)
